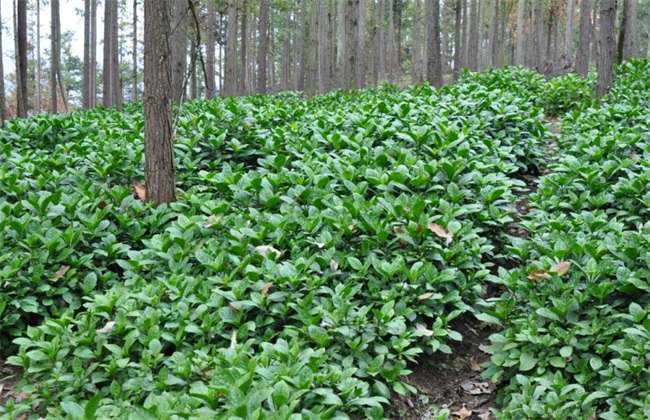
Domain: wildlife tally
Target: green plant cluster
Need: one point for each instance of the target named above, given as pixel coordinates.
(316, 248)
(577, 344)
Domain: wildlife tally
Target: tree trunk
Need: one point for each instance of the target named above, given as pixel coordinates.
(38, 106)
(568, 39)
(111, 82)
(582, 58)
(179, 48)
(323, 71)
(262, 58)
(159, 148)
(607, 38)
(210, 82)
(361, 45)
(519, 54)
(86, 77)
(21, 67)
(492, 35)
(3, 99)
(192, 64)
(352, 41)
(285, 75)
(458, 9)
(341, 43)
(134, 76)
(392, 56)
(417, 43)
(312, 57)
(92, 72)
(540, 36)
(230, 83)
(627, 35)
(54, 64)
(302, 52)
(244, 48)
(472, 48)
(434, 64)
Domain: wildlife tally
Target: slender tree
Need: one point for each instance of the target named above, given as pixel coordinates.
(159, 149)
(434, 63)
(458, 42)
(244, 49)
(21, 57)
(417, 42)
(3, 100)
(361, 44)
(582, 58)
(55, 62)
(134, 53)
(179, 41)
(85, 102)
(519, 54)
(568, 39)
(263, 54)
(112, 96)
(230, 82)
(607, 39)
(473, 40)
(210, 82)
(37, 102)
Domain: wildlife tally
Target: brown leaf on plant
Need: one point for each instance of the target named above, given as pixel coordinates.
(425, 296)
(538, 275)
(561, 268)
(140, 191)
(418, 228)
(474, 365)
(61, 271)
(334, 265)
(265, 289)
(398, 230)
(462, 414)
(102, 205)
(441, 232)
(107, 328)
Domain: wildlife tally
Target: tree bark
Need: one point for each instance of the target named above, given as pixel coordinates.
(434, 63)
(341, 43)
(361, 45)
(540, 35)
(458, 9)
(392, 56)
(230, 83)
(86, 71)
(3, 99)
(21, 67)
(210, 82)
(417, 43)
(159, 149)
(112, 89)
(179, 40)
(244, 49)
(39, 94)
(323, 70)
(472, 48)
(607, 38)
(285, 73)
(519, 53)
(134, 41)
(627, 35)
(492, 35)
(92, 72)
(302, 52)
(568, 39)
(54, 64)
(582, 58)
(262, 58)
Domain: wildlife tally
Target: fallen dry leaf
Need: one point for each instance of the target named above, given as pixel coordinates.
(561, 268)
(61, 271)
(102, 205)
(441, 232)
(538, 275)
(266, 249)
(474, 365)
(140, 191)
(107, 328)
(398, 230)
(333, 265)
(19, 396)
(265, 289)
(425, 296)
(462, 414)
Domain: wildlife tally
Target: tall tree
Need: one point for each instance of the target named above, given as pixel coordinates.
(263, 54)
(519, 54)
(112, 96)
(158, 135)
(627, 36)
(21, 57)
(417, 43)
(361, 45)
(37, 100)
(607, 39)
(230, 82)
(179, 41)
(3, 100)
(539, 29)
(85, 101)
(458, 42)
(434, 58)
(244, 49)
(582, 58)
(472, 47)
(134, 56)
(492, 35)
(210, 82)
(568, 39)
(92, 71)
(56, 77)
(302, 51)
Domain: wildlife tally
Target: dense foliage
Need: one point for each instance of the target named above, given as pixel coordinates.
(317, 248)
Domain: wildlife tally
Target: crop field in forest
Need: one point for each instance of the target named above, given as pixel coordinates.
(322, 252)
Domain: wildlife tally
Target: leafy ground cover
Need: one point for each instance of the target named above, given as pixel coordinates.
(320, 249)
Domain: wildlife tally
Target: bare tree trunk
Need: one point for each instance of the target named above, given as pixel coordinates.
(341, 43)
(230, 83)
(458, 9)
(54, 65)
(244, 48)
(352, 41)
(178, 41)
(492, 35)
(112, 89)
(192, 64)
(285, 76)
(262, 58)
(582, 59)
(159, 143)
(3, 99)
(323, 71)
(434, 63)
(361, 45)
(92, 73)
(417, 43)
(312, 58)
(568, 39)
(21, 67)
(540, 36)
(134, 81)
(210, 83)
(302, 53)
(607, 46)
(392, 59)
(86, 77)
(39, 94)
(627, 35)
(472, 48)
(519, 54)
